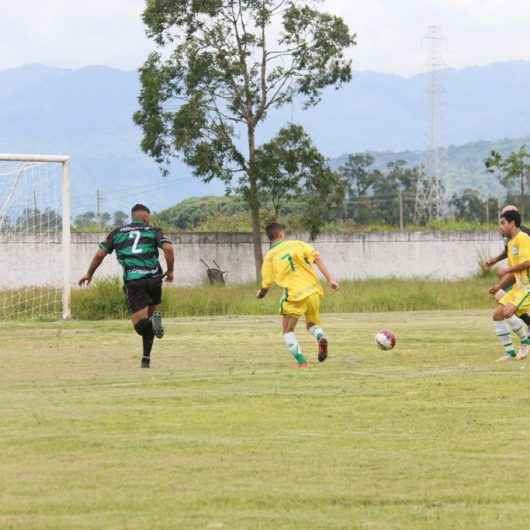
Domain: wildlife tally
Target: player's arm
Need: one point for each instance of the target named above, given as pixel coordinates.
(506, 281)
(517, 268)
(493, 261)
(523, 255)
(267, 277)
(313, 256)
(325, 272)
(163, 242)
(169, 254)
(105, 247)
(97, 260)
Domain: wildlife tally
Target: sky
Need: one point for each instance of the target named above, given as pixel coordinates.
(76, 33)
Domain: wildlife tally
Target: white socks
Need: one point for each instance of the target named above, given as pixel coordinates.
(316, 331)
(517, 326)
(294, 347)
(503, 332)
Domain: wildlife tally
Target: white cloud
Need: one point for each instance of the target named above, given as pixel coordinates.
(75, 33)
(390, 33)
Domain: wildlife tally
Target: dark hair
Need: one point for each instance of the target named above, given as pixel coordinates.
(140, 208)
(512, 216)
(273, 230)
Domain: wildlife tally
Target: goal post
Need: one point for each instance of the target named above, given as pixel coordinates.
(35, 212)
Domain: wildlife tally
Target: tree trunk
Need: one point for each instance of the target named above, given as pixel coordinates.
(253, 202)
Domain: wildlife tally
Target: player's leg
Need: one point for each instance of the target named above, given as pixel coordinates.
(289, 336)
(139, 302)
(313, 326)
(290, 312)
(144, 327)
(503, 332)
(156, 319)
(155, 293)
(522, 313)
(506, 320)
(525, 317)
(519, 302)
(515, 302)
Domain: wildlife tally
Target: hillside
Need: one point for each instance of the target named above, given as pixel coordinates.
(465, 163)
(87, 113)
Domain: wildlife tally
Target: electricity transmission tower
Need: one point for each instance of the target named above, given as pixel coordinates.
(430, 194)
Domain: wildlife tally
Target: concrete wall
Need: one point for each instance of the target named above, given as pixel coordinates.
(37, 261)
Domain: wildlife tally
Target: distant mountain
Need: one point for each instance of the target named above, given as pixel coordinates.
(87, 113)
(465, 164)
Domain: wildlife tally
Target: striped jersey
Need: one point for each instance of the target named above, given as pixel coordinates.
(136, 246)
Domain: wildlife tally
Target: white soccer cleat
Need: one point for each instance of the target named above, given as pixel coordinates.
(505, 359)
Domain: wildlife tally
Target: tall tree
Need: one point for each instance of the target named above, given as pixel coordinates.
(359, 177)
(85, 219)
(513, 170)
(397, 183)
(291, 168)
(119, 218)
(223, 65)
(469, 206)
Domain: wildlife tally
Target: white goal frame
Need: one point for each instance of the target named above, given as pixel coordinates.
(64, 160)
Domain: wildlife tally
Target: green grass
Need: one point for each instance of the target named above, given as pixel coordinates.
(105, 299)
(224, 433)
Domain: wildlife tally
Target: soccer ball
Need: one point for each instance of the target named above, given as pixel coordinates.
(385, 339)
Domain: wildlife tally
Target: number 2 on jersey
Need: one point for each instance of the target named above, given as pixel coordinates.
(136, 234)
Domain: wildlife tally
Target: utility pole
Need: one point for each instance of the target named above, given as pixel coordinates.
(430, 195)
(98, 207)
(401, 223)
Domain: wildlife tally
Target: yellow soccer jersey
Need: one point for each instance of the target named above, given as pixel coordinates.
(289, 265)
(519, 252)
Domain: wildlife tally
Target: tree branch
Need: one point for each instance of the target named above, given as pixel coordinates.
(263, 103)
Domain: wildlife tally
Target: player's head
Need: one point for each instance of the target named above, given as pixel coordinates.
(139, 212)
(510, 222)
(509, 208)
(275, 231)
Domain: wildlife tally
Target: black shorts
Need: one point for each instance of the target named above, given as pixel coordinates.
(143, 293)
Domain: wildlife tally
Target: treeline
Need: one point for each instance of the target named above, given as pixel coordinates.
(363, 196)
(92, 222)
(314, 198)
(49, 221)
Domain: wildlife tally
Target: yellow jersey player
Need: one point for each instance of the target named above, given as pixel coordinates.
(289, 264)
(517, 301)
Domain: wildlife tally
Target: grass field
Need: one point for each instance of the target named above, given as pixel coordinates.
(223, 433)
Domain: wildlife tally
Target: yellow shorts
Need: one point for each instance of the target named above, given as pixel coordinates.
(308, 307)
(520, 298)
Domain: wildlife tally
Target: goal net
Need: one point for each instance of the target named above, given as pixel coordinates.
(34, 237)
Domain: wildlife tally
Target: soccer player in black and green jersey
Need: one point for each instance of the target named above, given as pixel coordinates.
(136, 246)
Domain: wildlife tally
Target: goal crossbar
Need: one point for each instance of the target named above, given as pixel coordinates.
(34, 158)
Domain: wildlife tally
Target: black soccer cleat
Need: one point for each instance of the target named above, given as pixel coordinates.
(322, 349)
(146, 362)
(158, 329)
